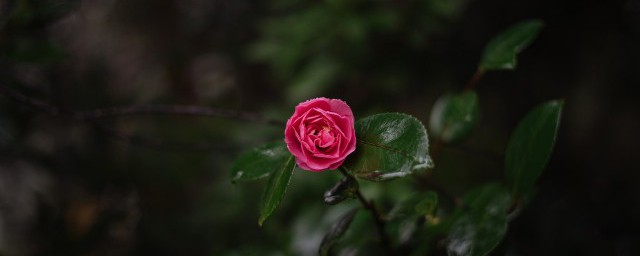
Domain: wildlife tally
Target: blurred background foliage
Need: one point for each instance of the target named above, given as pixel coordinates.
(160, 184)
(315, 45)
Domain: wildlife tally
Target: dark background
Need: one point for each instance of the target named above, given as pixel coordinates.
(160, 184)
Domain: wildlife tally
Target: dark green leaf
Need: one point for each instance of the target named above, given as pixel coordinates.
(345, 188)
(454, 115)
(407, 216)
(502, 50)
(353, 242)
(481, 223)
(418, 204)
(390, 145)
(531, 145)
(337, 231)
(276, 188)
(491, 198)
(259, 162)
(428, 204)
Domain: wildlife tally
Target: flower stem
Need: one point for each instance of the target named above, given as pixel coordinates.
(370, 206)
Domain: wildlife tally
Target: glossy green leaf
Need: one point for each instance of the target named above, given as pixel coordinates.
(454, 115)
(337, 230)
(259, 162)
(531, 145)
(502, 50)
(479, 226)
(276, 188)
(345, 188)
(390, 145)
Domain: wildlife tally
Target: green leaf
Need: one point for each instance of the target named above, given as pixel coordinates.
(345, 188)
(390, 145)
(479, 226)
(454, 115)
(501, 51)
(337, 230)
(353, 242)
(491, 198)
(418, 204)
(428, 204)
(259, 162)
(405, 217)
(531, 145)
(276, 188)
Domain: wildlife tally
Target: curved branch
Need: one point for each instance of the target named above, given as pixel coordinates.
(29, 101)
(92, 117)
(474, 79)
(187, 110)
(180, 110)
(162, 144)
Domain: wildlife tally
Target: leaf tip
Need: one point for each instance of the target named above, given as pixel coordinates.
(559, 101)
(556, 103)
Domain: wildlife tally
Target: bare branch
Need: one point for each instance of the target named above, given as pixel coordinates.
(377, 218)
(162, 144)
(178, 110)
(31, 102)
(187, 110)
(93, 116)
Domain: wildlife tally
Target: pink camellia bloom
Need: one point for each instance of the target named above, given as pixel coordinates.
(321, 134)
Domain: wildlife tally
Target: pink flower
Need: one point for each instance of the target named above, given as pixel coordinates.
(321, 134)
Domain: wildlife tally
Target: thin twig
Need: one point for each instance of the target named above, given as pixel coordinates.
(29, 101)
(439, 144)
(474, 79)
(92, 117)
(187, 110)
(161, 144)
(370, 206)
(180, 110)
(425, 181)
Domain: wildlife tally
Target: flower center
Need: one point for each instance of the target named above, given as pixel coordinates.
(322, 137)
